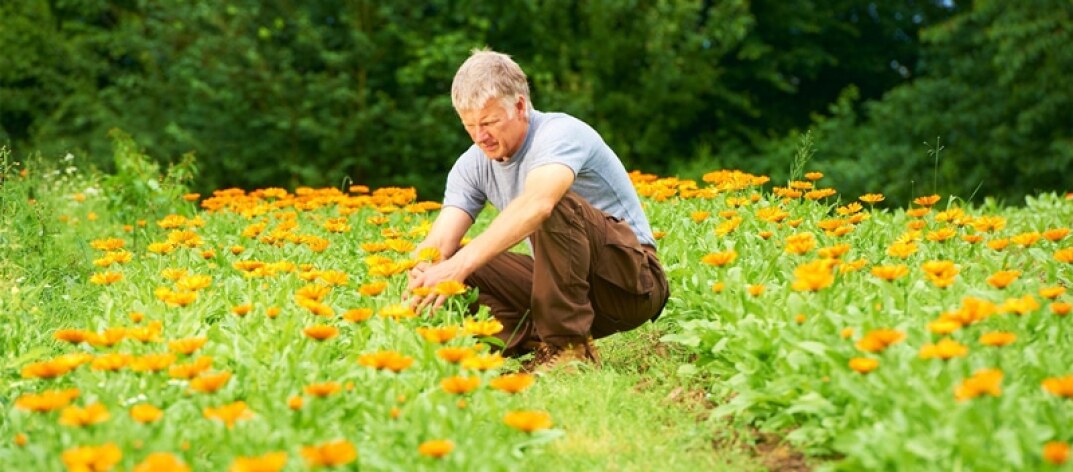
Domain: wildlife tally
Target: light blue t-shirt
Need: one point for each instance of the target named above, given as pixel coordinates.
(599, 176)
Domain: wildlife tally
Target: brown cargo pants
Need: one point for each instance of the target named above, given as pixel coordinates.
(588, 276)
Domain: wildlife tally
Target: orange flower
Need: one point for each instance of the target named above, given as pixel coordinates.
(901, 249)
(863, 365)
(110, 362)
(720, 259)
(1055, 234)
(397, 311)
(1064, 255)
(699, 216)
(105, 278)
(271, 462)
(944, 326)
(323, 389)
(479, 328)
(1020, 306)
(229, 413)
(145, 413)
(997, 338)
(436, 448)
(983, 381)
(152, 362)
(295, 402)
(483, 362)
(321, 332)
(48, 400)
(846, 333)
(800, 243)
(756, 289)
(814, 276)
(161, 462)
(373, 288)
(386, 360)
(241, 310)
(1056, 452)
(190, 369)
(90, 415)
(455, 355)
(942, 234)
(187, 346)
(879, 339)
(210, 383)
(512, 383)
(55, 367)
(1003, 278)
(459, 385)
(718, 287)
(1052, 292)
(330, 454)
(1026, 239)
(429, 254)
(1060, 308)
(272, 312)
(92, 458)
(945, 349)
(890, 273)
(927, 201)
(1060, 386)
(528, 421)
(73, 336)
(871, 198)
(438, 335)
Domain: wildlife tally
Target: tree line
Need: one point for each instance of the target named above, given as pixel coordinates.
(323, 92)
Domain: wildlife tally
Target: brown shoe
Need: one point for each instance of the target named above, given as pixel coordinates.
(549, 357)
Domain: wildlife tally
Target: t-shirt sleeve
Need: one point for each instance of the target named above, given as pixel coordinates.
(463, 187)
(567, 143)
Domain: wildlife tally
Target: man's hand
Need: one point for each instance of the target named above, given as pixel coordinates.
(428, 275)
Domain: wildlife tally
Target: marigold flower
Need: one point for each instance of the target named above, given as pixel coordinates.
(152, 362)
(1061, 308)
(997, 338)
(718, 287)
(229, 414)
(483, 362)
(945, 349)
(983, 381)
(918, 212)
(194, 283)
(455, 355)
(1064, 255)
(927, 201)
(1003, 278)
(46, 401)
(105, 278)
(108, 244)
(190, 369)
(944, 326)
(187, 346)
(449, 288)
(481, 328)
(330, 454)
(272, 312)
(863, 365)
(92, 458)
(145, 413)
(1052, 292)
(890, 273)
(800, 243)
(321, 332)
(1056, 452)
(161, 462)
(699, 216)
(460, 385)
(814, 276)
(21, 439)
(720, 259)
(1059, 386)
(397, 311)
(756, 289)
(78, 417)
(528, 421)
(972, 238)
(322, 389)
(871, 198)
(438, 335)
(241, 310)
(879, 339)
(512, 383)
(110, 362)
(942, 234)
(271, 462)
(998, 244)
(1026, 239)
(73, 336)
(386, 360)
(295, 402)
(210, 383)
(902, 249)
(1055, 234)
(1020, 306)
(436, 448)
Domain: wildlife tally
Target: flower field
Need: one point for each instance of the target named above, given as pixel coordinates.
(264, 330)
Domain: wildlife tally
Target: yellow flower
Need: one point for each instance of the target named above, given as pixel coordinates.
(152, 362)
(321, 332)
(161, 462)
(1061, 308)
(438, 335)
(110, 362)
(386, 360)
(800, 243)
(92, 458)
(927, 201)
(945, 349)
(455, 354)
(528, 421)
(720, 259)
(718, 287)
(1056, 452)
(241, 310)
(479, 328)
(483, 362)
(397, 312)
(902, 249)
(187, 346)
(145, 413)
(1052, 292)
(322, 389)
(983, 382)
(429, 254)
(756, 289)
(78, 417)
(1064, 255)
(890, 273)
(190, 369)
(997, 338)
(814, 276)
(998, 244)
(1055, 234)
(330, 454)
(436, 448)
(863, 365)
(358, 315)
(459, 385)
(271, 462)
(105, 278)
(699, 216)
(871, 198)
(46, 401)
(449, 288)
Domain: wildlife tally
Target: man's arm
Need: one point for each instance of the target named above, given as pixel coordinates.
(544, 187)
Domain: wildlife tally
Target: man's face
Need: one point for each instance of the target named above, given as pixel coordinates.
(495, 130)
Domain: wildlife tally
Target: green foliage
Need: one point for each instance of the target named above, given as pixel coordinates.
(138, 185)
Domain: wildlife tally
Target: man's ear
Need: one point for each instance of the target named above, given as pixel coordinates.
(520, 105)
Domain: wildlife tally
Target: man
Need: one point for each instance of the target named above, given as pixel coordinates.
(593, 270)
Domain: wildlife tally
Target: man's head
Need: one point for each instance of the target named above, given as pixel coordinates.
(491, 95)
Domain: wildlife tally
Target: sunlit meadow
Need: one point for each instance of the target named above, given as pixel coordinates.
(264, 330)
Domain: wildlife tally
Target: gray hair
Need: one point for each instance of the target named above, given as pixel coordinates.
(486, 75)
